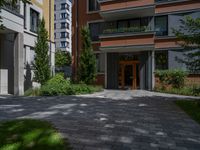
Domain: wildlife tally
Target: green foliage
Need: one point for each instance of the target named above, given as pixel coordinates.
(124, 30)
(57, 86)
(32, 92)
(62, 58)
(60, 86)
(189, 33)
(176, 78)
(87, 65)
(30, 134)
(189, 91)
(41, 63)
(192, 108)
(85, 89)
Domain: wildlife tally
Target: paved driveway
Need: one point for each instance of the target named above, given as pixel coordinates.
(111, 120)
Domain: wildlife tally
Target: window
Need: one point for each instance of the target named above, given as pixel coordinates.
(67, 6)
(25, 26)
(161, 25)
(161, 60)
(93, 5)
(64, 25)
(54, 25)
(63, 6)
(54, 35)
(95, 30)
(67, 25)
(122, 24)
(34, 20)
(54, 7)
(63, 44)
(100, 62)
(54, 16)
(64, 16)
(64, 35)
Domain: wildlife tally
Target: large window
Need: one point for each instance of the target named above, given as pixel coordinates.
(100, 62)
(161, 60)
(95, 30)
(129, 25)
(93, 5)
(34, 20)
(161, 25)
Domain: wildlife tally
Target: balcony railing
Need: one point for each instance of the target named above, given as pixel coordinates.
(14, 8)
(142, 29)
(164, 1)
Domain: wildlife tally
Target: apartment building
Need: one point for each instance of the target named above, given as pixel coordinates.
(63, 24)
(131, 38)
(17, 41)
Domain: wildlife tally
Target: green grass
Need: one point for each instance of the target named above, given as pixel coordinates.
(189, 91)
(30, 134)
(192, 108)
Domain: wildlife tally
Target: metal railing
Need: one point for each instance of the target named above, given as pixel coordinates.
(15, 8)
(141, 29)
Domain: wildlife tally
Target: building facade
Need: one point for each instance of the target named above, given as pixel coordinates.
(63, 24)
(17, 41)
(131, 38)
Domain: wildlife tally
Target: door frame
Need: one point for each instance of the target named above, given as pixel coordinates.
(134, 63)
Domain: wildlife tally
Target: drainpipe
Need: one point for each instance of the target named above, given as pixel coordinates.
(77, 37)
(50, 45)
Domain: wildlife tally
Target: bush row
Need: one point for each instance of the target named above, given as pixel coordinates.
(175, 78)
(60, 86)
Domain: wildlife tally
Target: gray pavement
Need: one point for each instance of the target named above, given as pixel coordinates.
(111, 120)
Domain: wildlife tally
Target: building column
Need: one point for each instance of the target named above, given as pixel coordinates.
(153, 69)
(18, 65)
(149, 74)
(105, 76)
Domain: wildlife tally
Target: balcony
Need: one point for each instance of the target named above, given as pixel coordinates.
(15, 9)
(168, 1)
(124, 9)
(11, 18)
(117, 32)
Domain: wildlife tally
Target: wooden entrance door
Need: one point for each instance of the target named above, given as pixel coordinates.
(128, 69)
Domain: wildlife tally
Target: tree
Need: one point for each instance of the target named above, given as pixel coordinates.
(87, 65)
(41, 63)
(189, 34)
(62, 58)
(12, 2)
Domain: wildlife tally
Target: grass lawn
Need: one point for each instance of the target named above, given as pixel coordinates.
(30, 134)
(189, 91)
(192, 108)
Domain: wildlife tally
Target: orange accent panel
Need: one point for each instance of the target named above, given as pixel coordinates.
(166, 43)
(124, 41)
(121, 4)
(193, 4)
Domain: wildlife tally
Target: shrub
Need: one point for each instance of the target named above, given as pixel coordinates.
(57, 86)
(60, 86)
(196, 90)
(175, 78)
